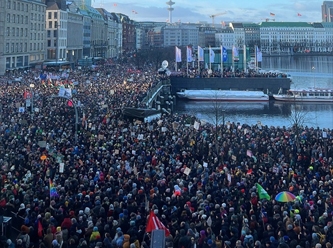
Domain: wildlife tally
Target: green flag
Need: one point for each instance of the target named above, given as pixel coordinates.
(262, 193)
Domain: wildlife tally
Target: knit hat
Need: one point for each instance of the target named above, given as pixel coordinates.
(95, 229)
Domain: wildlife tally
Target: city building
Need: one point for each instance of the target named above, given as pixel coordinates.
(292, 37)
(111, 21)
(327, 11)
(74, 36)
(206, 36)
(22, 34)
(56, 29)
(128, 33)
(239, 34)
(252, 35)
(178, 34)
(225, 37)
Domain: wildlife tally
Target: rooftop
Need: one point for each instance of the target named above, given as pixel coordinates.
(285, 24)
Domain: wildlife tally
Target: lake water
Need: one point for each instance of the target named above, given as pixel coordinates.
(305, 71)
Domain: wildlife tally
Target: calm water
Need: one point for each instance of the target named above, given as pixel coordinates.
(305, 71)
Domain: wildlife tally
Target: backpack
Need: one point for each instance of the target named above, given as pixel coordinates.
(322, 238)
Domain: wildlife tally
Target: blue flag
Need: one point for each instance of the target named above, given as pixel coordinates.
(224, 54)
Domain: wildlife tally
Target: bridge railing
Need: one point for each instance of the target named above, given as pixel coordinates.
(153, 92)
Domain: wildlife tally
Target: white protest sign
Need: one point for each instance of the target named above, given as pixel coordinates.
(187, 171)
(196, 125)
(61, 167)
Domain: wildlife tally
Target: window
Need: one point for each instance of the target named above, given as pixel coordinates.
(14, 5)
(26, 20)
(7, 31)
(9, 4)
(8, 18)
(50, 24)
(7, 47)
(48, 43)
(55, 15)
(48, 33)
(13, 31)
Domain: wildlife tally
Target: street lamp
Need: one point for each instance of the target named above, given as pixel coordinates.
(32, 86)
(313, 77)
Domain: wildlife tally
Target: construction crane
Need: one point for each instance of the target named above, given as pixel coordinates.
(218, 14)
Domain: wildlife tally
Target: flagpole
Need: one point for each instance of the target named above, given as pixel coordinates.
(255, 57)
(210, 61)
(187, 61)
(222, 60)
(244, 57)
(176, 58)
(233, 61)
(198, 61)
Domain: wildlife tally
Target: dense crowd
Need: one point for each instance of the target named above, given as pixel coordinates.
(200, 182)
(194, 72)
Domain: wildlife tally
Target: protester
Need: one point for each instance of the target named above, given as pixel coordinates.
(202, 188)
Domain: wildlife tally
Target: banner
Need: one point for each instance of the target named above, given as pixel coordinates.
(178, 55)
(259, 55)
(211, 55)
(189, 54)
(155, 224)
(200, 54)
(235, 54)
(224, 53)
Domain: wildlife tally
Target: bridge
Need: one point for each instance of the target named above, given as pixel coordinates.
(163, 87)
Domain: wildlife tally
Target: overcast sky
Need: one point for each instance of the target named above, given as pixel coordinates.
(195, 10)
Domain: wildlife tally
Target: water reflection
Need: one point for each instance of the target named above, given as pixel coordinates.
(271, 113)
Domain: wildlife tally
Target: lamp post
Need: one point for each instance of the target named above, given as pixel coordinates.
(313, 78)
(32, 86)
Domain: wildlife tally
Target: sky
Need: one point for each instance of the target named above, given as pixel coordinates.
(195, 11)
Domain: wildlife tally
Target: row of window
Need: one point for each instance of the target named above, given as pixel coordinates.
(17, 5)
(20, 19)
(23, 47)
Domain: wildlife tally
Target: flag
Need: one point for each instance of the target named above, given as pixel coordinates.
(200, 54)
(155, 224)
(298, 14)
(189, 54)
(272, 14)
(26, 95)
(178, 55)
(53, 190)
(211, 55)
(235, 53)
(224, 53)
(40, 228)
(259, 55)
(262, 193)
(249, 153)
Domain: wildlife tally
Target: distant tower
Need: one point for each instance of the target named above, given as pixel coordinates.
(170, 3)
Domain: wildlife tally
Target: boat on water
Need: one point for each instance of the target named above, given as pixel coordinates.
(223, 95)
(306, 95)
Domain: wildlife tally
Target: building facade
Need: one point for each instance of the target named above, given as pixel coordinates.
(178, 34)
(56, 30)
(327, 11)
(22, 38)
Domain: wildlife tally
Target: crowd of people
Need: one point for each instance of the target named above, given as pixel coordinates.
(227, 73)
(200, 182)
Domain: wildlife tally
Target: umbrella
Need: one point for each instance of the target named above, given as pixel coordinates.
(285, 197)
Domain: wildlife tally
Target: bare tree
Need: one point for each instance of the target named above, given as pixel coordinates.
(297, 118)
